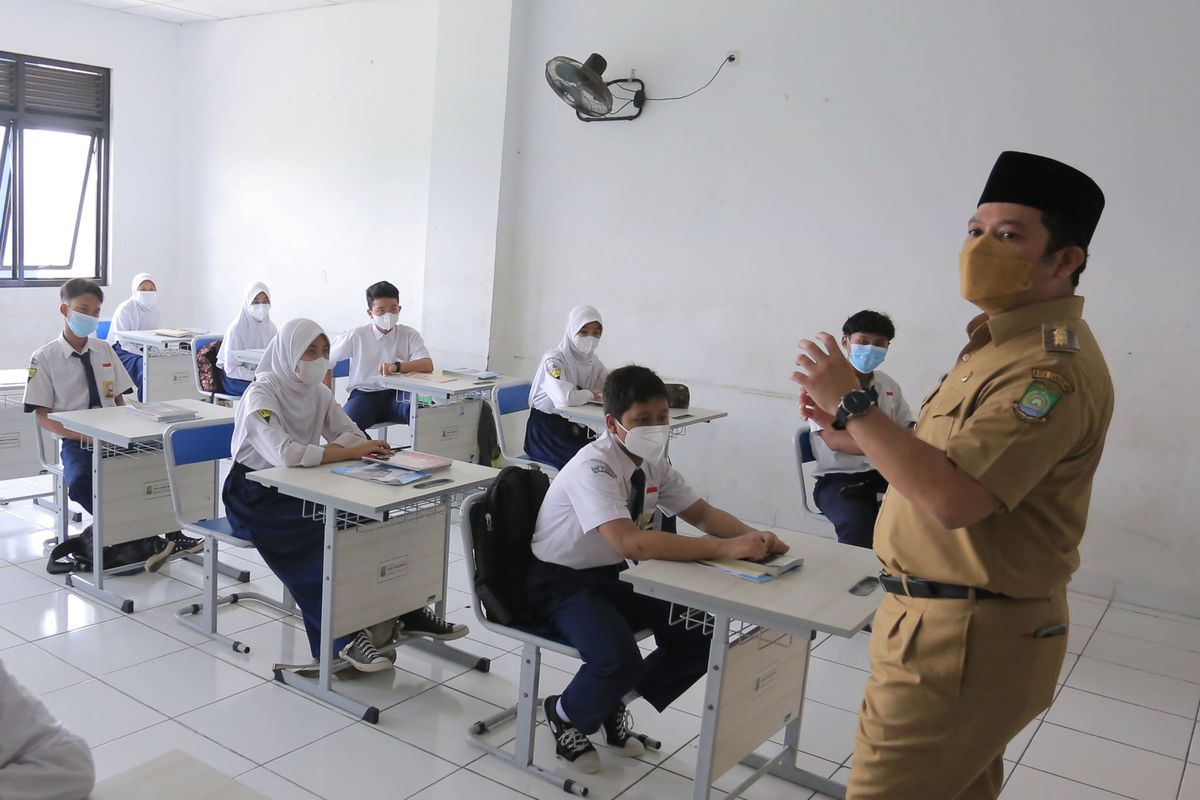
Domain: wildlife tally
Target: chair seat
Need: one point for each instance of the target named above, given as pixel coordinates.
(546, 639)
(221, 529)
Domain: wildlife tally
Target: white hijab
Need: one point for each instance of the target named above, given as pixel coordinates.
(245, 332)
(300, 408)
(134, 316)
(579, 316)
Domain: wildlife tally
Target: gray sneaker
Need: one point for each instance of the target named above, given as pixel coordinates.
(162, 553)
(363, 655)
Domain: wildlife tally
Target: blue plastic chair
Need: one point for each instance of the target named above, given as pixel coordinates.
(197, 343)
(102, 328)
(198, 442)
(805, 455)
(513, 398)
(342, 369)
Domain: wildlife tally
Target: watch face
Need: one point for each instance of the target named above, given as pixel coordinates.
(857, 402)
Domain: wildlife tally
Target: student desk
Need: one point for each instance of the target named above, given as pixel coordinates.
(167, 364)
(131, 497)
(450, 427)
(175, 775)
(591, 415)
(762, 636)
(248, 358)
(18, 448)
(386, 552)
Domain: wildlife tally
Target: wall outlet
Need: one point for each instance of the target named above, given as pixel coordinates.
(734, 57)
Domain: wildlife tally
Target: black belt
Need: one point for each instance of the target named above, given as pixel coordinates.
(932, 589)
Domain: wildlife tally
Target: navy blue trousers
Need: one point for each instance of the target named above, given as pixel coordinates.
(598, 615)
(133, 365)
(849, 501)
(292, 545)
(234, 386)
(552, 439)
(77, 473)
(368, 409)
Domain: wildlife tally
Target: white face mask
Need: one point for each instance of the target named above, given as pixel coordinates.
(148, 299)
(586, 344)
(260, 312)
(385, 322)
(312, 372)
(648, 442)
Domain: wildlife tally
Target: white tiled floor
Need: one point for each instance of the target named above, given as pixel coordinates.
(1123, 724)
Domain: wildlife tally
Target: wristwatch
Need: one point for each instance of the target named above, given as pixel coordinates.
(854, 404)
(398, 364)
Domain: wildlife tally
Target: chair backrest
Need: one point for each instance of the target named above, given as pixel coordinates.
(198, 344)
(48, 456)
(511, 401)
(342, 368)
(805, 455)
(102, 328)
(193, 442)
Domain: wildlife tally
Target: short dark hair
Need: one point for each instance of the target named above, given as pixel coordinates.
(381, 289)
(628, 385)
(873, 322)
(80, 286)
(1063, 234)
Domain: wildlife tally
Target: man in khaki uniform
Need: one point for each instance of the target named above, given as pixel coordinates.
(979, 532)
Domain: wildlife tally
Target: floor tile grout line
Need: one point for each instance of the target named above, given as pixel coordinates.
(1189, 716)
(1094, 735)
(1183, 774)
(1078, 782)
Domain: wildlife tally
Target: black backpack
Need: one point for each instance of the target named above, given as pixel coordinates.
(502, 527)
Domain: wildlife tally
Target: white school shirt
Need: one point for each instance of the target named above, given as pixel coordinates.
(57, 380)
(891, 402)
(593, 488)
(39, 758)
(563, 379)
(262, 437)
(367, 347)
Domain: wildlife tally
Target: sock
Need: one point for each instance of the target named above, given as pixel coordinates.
(629, 698)
(558, 708)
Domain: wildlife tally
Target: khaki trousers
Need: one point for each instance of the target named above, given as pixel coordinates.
(952, 681)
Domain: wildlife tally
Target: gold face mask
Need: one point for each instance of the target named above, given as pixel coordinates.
(991, 275)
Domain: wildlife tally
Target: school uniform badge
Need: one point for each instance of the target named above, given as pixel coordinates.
(265, 414)
(1039, 397)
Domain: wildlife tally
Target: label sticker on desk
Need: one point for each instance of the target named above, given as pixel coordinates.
(765, 679)
(181, 377)
(449, 433)
(391, 569)
(10, 440)
(152, 490)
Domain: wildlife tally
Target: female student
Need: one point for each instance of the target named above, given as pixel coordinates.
(280, 423)
(252, 330)
(138, 313)
(569, 375)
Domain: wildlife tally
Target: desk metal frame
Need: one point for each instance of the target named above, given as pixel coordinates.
(338, 514)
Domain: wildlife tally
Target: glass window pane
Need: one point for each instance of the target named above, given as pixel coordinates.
(57, 174)
(6, 233)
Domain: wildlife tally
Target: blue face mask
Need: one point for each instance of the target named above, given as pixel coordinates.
(867, 357)
(82, 325)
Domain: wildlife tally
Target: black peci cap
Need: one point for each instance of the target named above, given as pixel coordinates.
(1047, 185)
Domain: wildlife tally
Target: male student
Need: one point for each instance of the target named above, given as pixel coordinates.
(77, 371)
(380, 348)
(847, 488)
(595, 516)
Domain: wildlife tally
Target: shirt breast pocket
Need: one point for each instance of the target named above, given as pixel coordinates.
(941, 418)
(649, 506)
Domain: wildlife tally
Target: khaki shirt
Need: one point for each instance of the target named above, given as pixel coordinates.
(1024, 412)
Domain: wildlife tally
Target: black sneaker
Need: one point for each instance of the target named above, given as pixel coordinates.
(570, 744)
(619, 736)
(424, 622)
(185, 544)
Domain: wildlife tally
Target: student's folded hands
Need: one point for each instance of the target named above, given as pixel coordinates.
(755, 545)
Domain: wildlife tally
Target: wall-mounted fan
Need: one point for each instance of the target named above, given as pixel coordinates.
(582, 86)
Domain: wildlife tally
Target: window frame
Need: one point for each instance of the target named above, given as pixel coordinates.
(18, 120)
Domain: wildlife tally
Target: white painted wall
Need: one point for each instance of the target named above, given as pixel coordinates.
(305, 159)
(834, 169)
(142, 54)
(471, 83)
